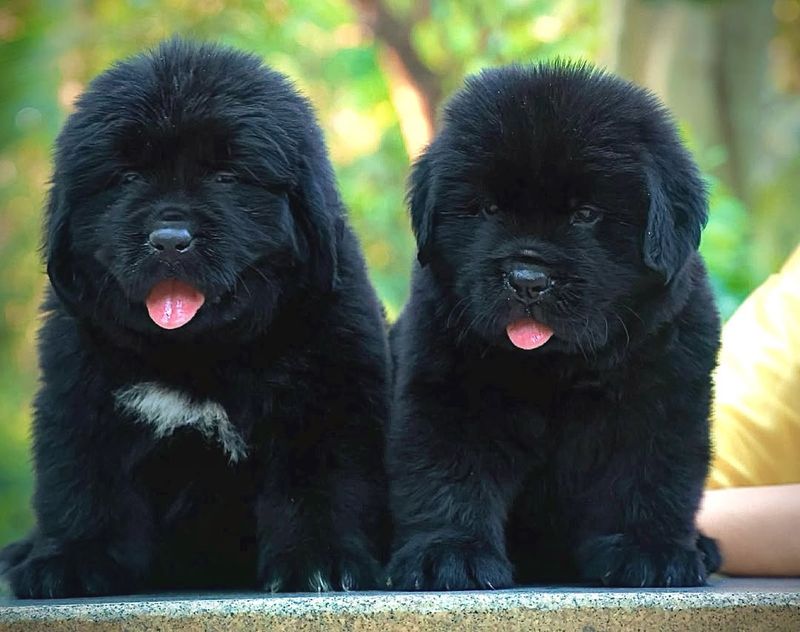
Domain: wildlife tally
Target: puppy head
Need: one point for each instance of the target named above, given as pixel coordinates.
(551, 199)
(191, 191)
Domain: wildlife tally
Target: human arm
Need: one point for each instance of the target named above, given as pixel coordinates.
(755, 527)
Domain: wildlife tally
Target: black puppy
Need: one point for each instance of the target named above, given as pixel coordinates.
(553, 363)
(214, 361)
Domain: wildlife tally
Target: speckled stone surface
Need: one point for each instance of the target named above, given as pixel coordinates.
(727, 604)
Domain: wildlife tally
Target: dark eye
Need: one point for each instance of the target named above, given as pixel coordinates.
(585, 215)
(130, 176)
(225, 177)
(490, 209)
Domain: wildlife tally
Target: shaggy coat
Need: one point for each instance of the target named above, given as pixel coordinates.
(241, 448)
(553, 364)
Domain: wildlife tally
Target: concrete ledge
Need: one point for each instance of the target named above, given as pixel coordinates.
(727, 604)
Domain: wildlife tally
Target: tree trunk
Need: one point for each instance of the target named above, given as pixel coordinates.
(710, 63)
(414, 88)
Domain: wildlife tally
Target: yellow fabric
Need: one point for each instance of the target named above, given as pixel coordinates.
(756, 412)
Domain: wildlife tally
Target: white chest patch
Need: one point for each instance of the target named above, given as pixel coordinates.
(166, 410)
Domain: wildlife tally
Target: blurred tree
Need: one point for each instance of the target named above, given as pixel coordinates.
(28, 120)
(708, 61)
(415, 89)
(426, 48)
(728, 69)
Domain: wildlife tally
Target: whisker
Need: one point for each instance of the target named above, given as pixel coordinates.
(467, 329)
(259, 272)
(627, 335)
(104, 283)
(463, 305)
(634, 313)
(241, 280)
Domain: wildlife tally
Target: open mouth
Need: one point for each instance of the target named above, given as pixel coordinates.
(172, 304)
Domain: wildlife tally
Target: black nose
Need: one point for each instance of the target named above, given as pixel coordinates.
(171, 240)
(528, 282)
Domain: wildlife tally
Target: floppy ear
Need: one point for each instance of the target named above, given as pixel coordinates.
(677, 214)
(421, 204)
(321, 222)
(60, 265)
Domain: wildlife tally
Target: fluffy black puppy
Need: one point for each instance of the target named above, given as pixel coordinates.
(553, 364)
(214, 361)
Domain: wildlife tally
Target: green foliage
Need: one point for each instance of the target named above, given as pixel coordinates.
(49, 50)
(727, 248)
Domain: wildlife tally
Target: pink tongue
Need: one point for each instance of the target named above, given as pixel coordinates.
(172, 304)
(528, 334)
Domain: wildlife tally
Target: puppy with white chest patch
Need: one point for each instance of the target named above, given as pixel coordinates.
(214, 360)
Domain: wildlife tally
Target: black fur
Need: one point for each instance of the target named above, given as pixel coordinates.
(584, 459)
(290, 342)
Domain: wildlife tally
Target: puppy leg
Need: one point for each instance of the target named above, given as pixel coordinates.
(55, 568)
(93, 534)
(15, 553)
(80, 562)
(318, 512)
(450, 493)
(637, 526)
(711, 554)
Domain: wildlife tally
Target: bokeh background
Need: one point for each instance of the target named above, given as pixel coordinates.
(378, 71)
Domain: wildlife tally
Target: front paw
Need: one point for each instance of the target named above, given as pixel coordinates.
(345, 566)
(57, 570)
(14, 553)
(430, 563)
(618, 560)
